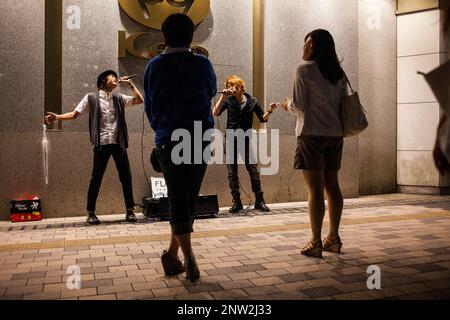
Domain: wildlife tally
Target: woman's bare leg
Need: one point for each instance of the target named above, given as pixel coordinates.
(335, 202)
(316, 203)
(184, 242)
(174, 247)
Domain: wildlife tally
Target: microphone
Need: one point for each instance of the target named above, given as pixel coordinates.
(233, 92)
(129, 77)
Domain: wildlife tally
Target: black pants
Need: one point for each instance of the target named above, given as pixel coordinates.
(101, 158)
(233, 178)
(183, 186)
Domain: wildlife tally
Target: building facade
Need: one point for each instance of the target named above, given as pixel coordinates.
(52, 52)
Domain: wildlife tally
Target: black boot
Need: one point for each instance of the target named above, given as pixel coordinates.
(130, 216)
(260, 203)
(92, 219)
(237, 205)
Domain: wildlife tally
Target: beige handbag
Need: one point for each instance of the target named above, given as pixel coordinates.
(352, 114)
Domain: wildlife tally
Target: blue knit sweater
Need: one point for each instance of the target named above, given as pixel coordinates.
(178, 89)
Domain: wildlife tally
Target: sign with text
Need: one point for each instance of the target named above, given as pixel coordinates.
(159, 188)
(151, 14)
(26, 210)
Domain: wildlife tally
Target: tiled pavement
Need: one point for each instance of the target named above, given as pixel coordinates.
(252, 256)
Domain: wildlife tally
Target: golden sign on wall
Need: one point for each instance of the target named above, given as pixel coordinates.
(406, 6)
(152, 13)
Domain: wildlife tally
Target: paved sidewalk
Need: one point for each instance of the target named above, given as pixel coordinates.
(253, 256)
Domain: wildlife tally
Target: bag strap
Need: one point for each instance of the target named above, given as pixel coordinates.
(353, 91)
(348, 82)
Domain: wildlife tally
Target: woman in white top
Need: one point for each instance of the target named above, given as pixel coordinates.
(319, 87)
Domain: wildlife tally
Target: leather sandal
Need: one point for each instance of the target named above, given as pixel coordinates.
(332, 245)
(313, 250)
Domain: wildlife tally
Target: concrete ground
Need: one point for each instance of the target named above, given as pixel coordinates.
(250, 256)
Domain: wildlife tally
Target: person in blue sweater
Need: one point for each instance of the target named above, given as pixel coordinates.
(179, 86)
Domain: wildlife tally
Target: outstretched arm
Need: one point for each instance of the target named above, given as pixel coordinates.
(52, 117)
(80, 109)
(264, 117)
(269, 112)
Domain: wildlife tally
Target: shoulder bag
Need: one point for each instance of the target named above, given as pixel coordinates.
(352, 113)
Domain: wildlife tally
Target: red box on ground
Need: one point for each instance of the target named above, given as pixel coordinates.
(26, 210)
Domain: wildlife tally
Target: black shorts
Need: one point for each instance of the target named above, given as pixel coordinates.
(318, 153)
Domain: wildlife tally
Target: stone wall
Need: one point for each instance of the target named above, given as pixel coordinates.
(227, 33)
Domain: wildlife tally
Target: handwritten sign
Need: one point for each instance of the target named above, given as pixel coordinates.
(159, 188)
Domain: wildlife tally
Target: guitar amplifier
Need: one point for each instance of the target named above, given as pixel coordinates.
(159, 208)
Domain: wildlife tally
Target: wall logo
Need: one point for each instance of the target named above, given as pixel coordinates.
(152, 13)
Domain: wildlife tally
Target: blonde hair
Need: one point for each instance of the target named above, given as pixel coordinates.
(235, 80)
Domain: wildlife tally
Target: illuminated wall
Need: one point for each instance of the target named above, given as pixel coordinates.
(365, 36)
(421, 47)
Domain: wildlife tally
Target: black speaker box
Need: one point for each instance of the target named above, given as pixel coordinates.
(159, 208)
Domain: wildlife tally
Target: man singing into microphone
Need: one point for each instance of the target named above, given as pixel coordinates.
(241, 107)
(109, 136)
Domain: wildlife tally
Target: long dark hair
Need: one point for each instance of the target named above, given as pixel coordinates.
(324, 54)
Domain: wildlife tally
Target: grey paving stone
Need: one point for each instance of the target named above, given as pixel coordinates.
(428, 267)
(268, 290)
(412, 255)
(203, 287)
(249, 268)
(321, 292)
(219, 271)
(296, 277)
(29, 275)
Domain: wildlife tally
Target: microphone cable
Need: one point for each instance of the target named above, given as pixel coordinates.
(142, 150)
(142, 144)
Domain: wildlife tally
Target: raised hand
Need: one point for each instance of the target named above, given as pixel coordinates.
(127, 81)
(228, 92)
(50, 118)
(273, 106)
(285, 104)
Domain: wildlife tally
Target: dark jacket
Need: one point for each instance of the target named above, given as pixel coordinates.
(242, 119)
